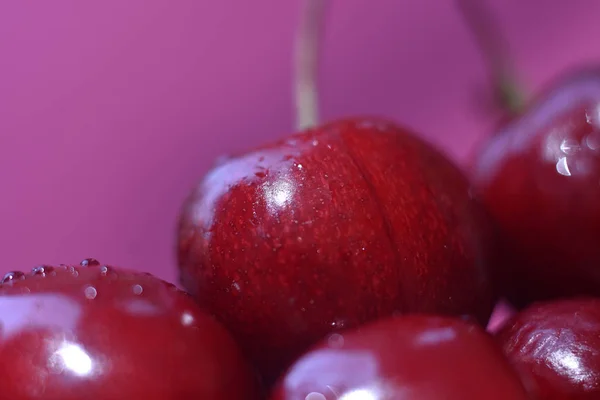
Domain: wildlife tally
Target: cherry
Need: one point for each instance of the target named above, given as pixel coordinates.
(412, 357)
(330, 228)
(105, 333)
(539, 177)
(556, 345)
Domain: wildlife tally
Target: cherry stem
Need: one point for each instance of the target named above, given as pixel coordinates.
(487, 33)
(306, 63)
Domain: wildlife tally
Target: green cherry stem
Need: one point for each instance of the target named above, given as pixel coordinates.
(306, 63)
(509, 94)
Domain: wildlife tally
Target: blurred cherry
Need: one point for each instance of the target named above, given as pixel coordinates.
(102, 333)
(557, 346)
(414, 357)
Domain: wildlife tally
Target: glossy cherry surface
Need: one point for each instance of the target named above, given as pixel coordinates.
(557, 346)
(328, 229)
(96, 332)
(412, 357)
(540, 179)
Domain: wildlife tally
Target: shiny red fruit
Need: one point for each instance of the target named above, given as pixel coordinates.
(412, 357)
(557, 346)
(540, 179)
(75, 333)
(328, 229)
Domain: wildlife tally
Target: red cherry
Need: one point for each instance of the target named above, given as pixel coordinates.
(101, 333)
(557, 345)
(540, 178)
(414, 357)
(329, 229)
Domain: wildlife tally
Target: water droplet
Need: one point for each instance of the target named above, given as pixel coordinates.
(187, 318)
(562, 166)
(260, 174)
(42, 270)
(569, 146)
(315, 142)
(104, 270)
(335, 340)
(13, 276)
(90, 292)
(89, 262)
(300, 166)
(592, 141)
(315, 396)
(137, 289)
(338, 323)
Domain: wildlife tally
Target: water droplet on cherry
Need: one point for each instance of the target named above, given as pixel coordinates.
(104, 270)
(335, 340)
(90, 292)
(137, 289)
(42, 270)
(12, 276)
(90, 262)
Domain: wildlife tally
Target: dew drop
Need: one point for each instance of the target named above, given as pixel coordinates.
(137, 289)
(104, 270)
(42, 270)
(90, 262)
(562, 166)
(592, 141)
(90, 292)
(13, 276)
(335, 341)
(187, 318)
(338, 323)
(260, 174)
(569, 147)
(315, 396)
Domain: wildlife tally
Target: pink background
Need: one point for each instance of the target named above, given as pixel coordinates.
(111, 110)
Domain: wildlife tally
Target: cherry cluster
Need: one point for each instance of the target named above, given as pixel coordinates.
(349, 261)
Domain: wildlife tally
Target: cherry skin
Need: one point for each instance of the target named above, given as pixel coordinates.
(74, 333)
(557, 346)
(411, 357)
(540, 179)
(328, 229)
